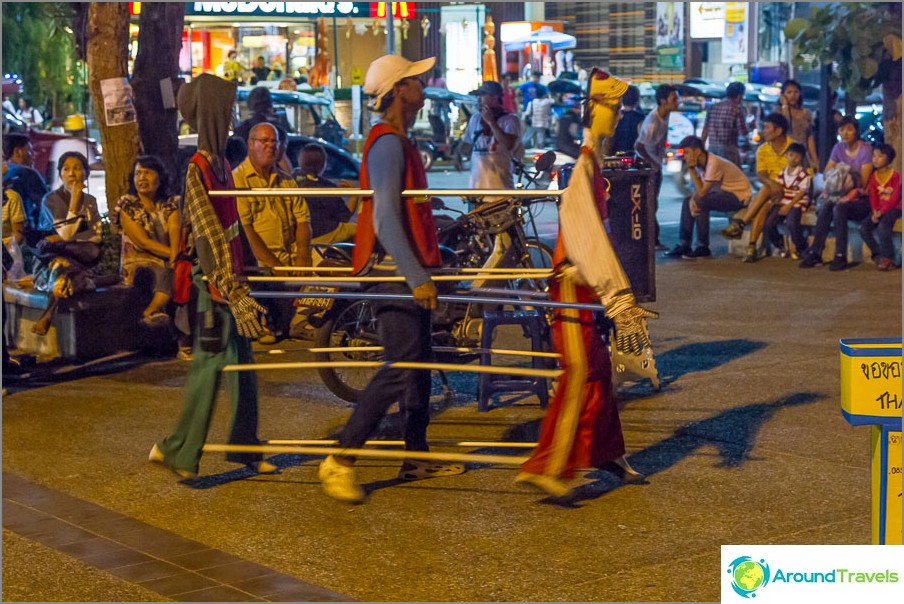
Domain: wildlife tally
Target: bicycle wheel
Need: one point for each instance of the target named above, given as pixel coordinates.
(354, 326)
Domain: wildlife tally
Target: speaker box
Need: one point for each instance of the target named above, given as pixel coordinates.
(632, 227)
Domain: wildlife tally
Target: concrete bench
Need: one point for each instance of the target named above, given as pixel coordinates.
(89, 325)
(857, 250)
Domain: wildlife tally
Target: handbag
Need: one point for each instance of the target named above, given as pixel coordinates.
(181, 281)
(182, 272)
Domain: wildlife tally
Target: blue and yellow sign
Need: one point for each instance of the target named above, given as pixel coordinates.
(871, 381)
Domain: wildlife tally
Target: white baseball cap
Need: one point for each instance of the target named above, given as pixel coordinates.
(387, 71)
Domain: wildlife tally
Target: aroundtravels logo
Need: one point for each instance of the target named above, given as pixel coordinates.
(748, 575)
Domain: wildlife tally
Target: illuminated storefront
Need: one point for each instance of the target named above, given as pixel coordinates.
(285, 34)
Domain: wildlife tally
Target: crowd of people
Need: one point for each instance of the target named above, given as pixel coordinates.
(205, 244)
(860, 186)
(53, 239)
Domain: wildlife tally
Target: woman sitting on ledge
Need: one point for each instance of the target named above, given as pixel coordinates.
(66, 256)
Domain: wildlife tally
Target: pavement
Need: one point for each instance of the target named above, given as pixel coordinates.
(744, 444)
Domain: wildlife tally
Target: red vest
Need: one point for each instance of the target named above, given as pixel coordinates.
(601, 198)
(418, 215)
(226, 211)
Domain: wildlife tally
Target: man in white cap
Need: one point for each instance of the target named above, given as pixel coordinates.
(403, 229)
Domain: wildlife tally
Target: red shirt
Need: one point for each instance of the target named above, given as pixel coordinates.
(885, 196)
(508, 100)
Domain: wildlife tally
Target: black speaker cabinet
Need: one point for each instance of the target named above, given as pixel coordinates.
(632, 227)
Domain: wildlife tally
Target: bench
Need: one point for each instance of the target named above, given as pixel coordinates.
(89, 325)
(856, 252)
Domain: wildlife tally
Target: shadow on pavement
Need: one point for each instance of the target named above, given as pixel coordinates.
(702, 356)
(733, 433)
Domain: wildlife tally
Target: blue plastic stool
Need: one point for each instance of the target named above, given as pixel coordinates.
(535, 325)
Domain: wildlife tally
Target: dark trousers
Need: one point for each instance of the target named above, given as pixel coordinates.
(405, 331)
(837, 214)
(715, 201)
(657, 186)
(885, 248)
(796, 229)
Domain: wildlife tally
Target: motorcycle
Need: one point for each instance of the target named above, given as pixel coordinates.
(491, 235)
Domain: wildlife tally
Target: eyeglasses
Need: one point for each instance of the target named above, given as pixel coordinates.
(266, 141)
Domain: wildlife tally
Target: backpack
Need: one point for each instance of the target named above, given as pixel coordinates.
(838, 182)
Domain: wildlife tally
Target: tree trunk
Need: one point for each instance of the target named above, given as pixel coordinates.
(107, 53)
(159, 43)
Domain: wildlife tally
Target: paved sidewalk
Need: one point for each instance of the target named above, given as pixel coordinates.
(744, 444)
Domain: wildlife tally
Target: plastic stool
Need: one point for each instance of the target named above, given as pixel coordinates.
(491, 384)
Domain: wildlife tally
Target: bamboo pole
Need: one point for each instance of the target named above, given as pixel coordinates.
(348, 269)
(368, 453)
(287, 192)
(519, 371)
(401, 443)
(462, 299)
(521, 353)
(394, 278)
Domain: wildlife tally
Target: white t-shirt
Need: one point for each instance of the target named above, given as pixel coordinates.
(491, 162)
(794, 180)
(653, 135)
(729, 177)
(540, 112)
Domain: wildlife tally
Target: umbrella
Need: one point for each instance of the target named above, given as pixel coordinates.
(545, 35)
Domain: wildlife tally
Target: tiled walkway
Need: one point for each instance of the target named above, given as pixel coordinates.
(175, 567)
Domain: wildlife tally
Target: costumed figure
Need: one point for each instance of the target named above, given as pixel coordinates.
(581, 428)
(228, 318)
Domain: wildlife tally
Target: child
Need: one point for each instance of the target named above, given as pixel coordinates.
(885, 200)
(795, 181)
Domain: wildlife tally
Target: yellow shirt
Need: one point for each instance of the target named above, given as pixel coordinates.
(767, 160)
(13, 213)
(274, 219)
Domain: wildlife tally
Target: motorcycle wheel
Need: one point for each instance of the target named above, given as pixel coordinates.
(353, 326)
(426, 158)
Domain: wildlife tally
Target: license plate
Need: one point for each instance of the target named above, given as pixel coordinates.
(314, 301)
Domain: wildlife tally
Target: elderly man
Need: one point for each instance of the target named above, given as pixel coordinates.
(278, 228)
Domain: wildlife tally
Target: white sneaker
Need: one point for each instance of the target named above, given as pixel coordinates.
(339, 481)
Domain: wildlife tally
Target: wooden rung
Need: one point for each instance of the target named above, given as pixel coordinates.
(369, 453)
(518, 371)
(401, 443)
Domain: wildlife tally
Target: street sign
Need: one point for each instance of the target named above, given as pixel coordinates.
(707, 19)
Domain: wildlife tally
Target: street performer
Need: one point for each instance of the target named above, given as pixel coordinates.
(581, 428)
(403, 229)
(227, 315)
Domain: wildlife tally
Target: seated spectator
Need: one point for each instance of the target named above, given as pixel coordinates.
(277, 227)
(330, 216)
(149, 216)
(14, 219)
(885, 202)
(770, 161)
(856, 154)
(719, 186)
(66, 257)
(795, 181)
(21, 176)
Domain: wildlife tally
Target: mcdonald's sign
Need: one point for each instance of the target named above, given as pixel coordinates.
(400, 10)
